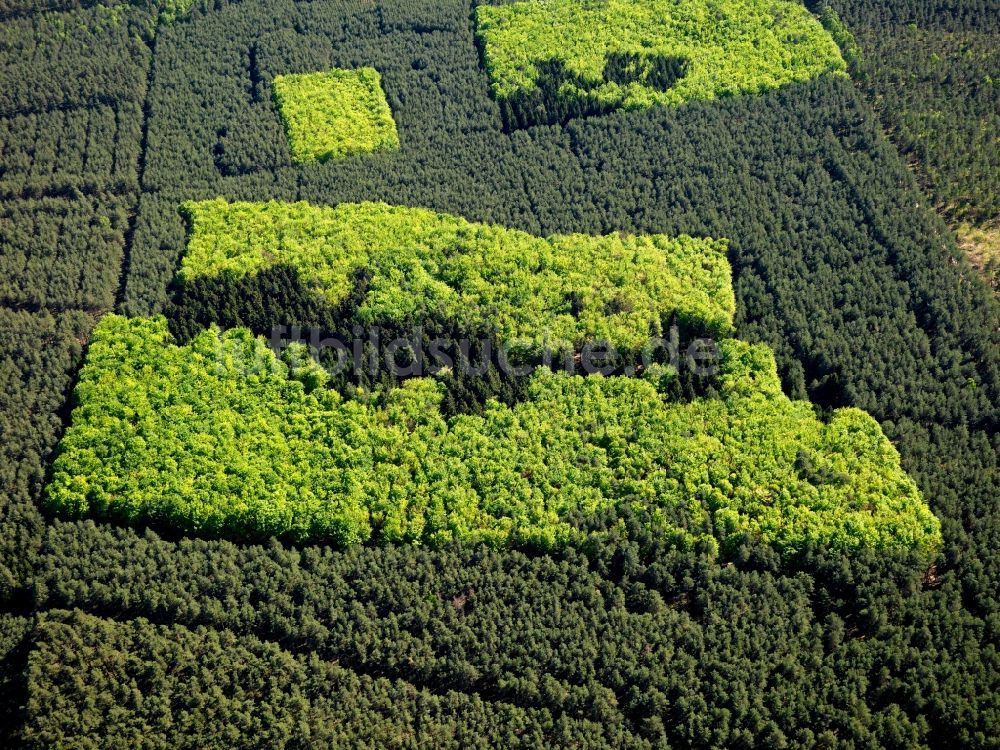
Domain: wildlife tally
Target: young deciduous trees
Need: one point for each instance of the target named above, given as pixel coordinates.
(221, 438)
(551, 60)
(335, 113)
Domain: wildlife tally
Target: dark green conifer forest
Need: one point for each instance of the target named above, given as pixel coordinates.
(835, 199)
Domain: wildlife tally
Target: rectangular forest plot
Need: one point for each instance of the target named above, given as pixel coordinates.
(62, 252)
(39, 356)
(76, 59)
(221, 438)
(336, 113)
(91, 146)
(222, 684)
(531, 291)
(552, 60)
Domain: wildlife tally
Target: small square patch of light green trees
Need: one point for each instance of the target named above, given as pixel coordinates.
(335, 113)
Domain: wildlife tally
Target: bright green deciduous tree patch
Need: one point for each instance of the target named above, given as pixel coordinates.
(558, 291)
(220, 438)
(335, 113)
(634, 55)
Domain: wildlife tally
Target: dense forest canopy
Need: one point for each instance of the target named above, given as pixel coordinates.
(221, 438)
(543, 57)
(558, 292)
(329, 114)
(113, 115)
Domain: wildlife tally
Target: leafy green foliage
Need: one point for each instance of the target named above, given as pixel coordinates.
(171, 10)
(432, 346)
(616, 53)
(472, 365)
(842, 35)
(562, 290)
(335, 113)
(220, 438)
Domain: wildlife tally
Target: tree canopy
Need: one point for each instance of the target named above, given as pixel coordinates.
(112, 115)
(550, 59)
(559, 291)
(331, 114)
(221, 438)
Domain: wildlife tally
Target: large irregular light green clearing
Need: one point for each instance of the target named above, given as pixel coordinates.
(556, 292)
(335, 113)
(723, 48)
(223, 439)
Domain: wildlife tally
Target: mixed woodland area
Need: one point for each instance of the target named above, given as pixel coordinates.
(839, 197)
